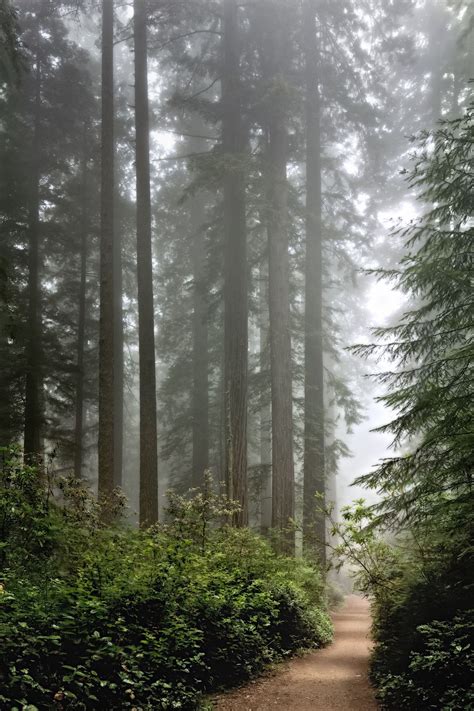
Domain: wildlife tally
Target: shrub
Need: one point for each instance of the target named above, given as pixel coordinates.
(119, 618)
(421, 591)
(439, 669)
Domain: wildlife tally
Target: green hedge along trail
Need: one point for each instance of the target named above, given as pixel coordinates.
(330, 679)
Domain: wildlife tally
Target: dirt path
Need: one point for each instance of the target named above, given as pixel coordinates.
(331, 679)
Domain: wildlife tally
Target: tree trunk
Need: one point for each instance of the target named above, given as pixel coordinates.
(118, 361)
(146, 319)
(235, 269)
(283, 494)
(81, 323)
(200, 394)
(331, 472)
(265, 414)
(33, 398)
(314, 476)
(107, 363)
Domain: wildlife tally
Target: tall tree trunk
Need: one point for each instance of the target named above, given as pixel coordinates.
(81, 322)
(331, 472)
(200, 393)
(314, 476)
(146, 319)
(273, 22)
(283, 484)
(235, 268)
(107, 363)
(33, 398)
(265, 414)
(118, 361)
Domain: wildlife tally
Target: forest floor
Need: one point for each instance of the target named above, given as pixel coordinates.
(330, 679)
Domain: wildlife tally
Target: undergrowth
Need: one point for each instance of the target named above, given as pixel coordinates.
(95, 617)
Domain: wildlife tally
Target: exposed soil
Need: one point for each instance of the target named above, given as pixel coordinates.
(330, 679)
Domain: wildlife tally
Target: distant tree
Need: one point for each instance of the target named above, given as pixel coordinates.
(34, 382)
(107, 361)
(146, 314)
(314, 413)
(82, 314)
(10, 49)
(275, 66)
(200, 329)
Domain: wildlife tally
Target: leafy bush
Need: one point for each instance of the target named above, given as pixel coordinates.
(413, 551)
(421, 593)
(117, 618)
(423, 656)
(440, 668)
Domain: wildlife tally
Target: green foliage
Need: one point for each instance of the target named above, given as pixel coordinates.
(445, 654)
(10, 52)
(94, 617)
(423, 656)
(422, 618)
(432, 388)
(376, 566)
(413, 552)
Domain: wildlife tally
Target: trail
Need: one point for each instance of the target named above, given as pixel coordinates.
(330, 679)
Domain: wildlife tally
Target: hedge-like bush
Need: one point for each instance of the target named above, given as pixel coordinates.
(113, 618)
(424, 655)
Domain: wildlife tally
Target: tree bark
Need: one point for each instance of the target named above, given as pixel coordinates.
(314, 465)
(265, 414)
(33, 398)
(81, 323)
(146, 318)
(235, 269)
(107, 363)
(118, 361)
(283, 495)
(200, 394)
(331, 473)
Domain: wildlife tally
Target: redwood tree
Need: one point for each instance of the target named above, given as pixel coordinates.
(200, 386)
(283, 495)
(146, 320)
(107, 364)
(81, 321)
(314, 479)
(33, 399)
(235, 267)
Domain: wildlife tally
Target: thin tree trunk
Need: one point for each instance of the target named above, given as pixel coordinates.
(118, 346)
(118, 361)
(107, 363)
(265, 414)
(81, 324)
(235, 269)
(200, 394)
(331, 475)
(33, 399)
(146, 319)
(314, 476)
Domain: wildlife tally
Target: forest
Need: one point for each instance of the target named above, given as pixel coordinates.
(236, 355)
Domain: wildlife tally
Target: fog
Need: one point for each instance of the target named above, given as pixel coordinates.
(193, 196)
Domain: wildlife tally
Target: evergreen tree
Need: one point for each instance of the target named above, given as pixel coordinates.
(431, 389)
(107, 361)
(10, 48)
(146, 317)
(275, 62)
(235, 266)
(314, 414)
(41, 147)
